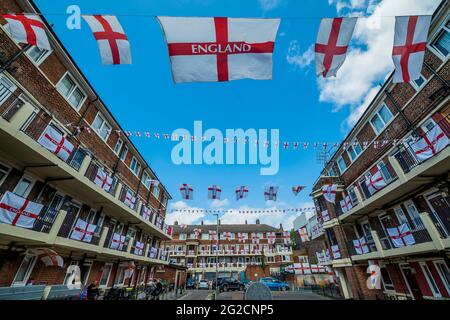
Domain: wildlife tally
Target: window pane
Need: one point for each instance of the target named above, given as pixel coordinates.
(442, 43)
(76, 98)
(357, 148)
(22, 187)
(124, 154)
(419, 82)
(97, 123)
(65, 86)
(36, 54)
(352, 153)
(444, 272)
(118, 146)
(105, 275)
(385, 114)
(377, 123)
(24, 268)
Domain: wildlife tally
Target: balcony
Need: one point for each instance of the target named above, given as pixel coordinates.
(411, 174)
(426, 239)
(19, 134)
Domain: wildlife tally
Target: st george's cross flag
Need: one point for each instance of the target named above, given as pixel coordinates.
(214, 192)
(410, 40)
(270, 193)
(271, 237)
(376, 182)
(117, 242)
(241, 192)
(18, 211)
(103, 180)
(361, 246)
(187, 192)
(220, 49)
(56, 143)
(83, 231)
(48, 257)
(329, 192)
(28, 29)
(401, 236)
(332, 44)
(303, 234)
(297, 189)
(433, 142)
(111, 39)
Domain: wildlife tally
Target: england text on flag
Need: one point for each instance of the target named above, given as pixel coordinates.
(18, 211)
(111, 39)
(410, 40)
(332, 44)
(220, 49)
(29, 29)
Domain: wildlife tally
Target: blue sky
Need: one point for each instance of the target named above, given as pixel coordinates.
(143, 97)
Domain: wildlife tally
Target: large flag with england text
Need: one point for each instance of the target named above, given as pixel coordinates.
(220, 49)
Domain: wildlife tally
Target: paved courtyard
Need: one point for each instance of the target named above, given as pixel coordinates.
(238, 295)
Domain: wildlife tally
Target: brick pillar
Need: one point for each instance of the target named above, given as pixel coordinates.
(357, 278)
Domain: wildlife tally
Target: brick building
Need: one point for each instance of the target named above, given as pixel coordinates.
(398, 199)
(45, 90)
(265, 249)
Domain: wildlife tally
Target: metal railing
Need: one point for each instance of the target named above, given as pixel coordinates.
(352, 250)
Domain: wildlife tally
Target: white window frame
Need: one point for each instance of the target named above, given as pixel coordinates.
(118, 142)
(154, 193)
(377, 113)
(137, 167)
(102, 126)
(353, 148)
(109, 275)
(423, 266)
(42, 57)
(76, 86)
(416, 86)
(430, 44)
(341, 169)
(124, 153)
(443, 279)
(27, 273)
(10, 88)
(182, 236)
(30, 187)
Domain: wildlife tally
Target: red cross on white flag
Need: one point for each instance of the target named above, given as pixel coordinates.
(271, 237)
(214, 192)
(336, 252)
(361, 246)
(270, 194)
(139, 248)
(241, 192)
(241, 237)
(286, 237)
(302, 268)
(83, 231)
(297, 189)
(303, 234)
(431, 144)
(103, 180)
(410, 40)
(187, 192)
(56, 143)
(376, 182)
(226, 235)
(332, 43)
(29, 29)
(18, 211)
(255, 238)
(329, 192)
(130, 200)
(401, 236)
(117, 242)
(220, 49)
(111, 39)
(48, 257)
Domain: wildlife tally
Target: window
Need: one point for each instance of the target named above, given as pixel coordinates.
(135, 166)
(146, 180)
(414, 215)
(123, 156)
(401, 216)
(205, 236)
(105, 275)
(3, 173)
(387, 282)
(38, 55)
(444, 273)
(384, 172)
(24, 271)
(156, 192)
(101, 127)
(353, 196)
(118, 146)
(431, 283)
(70, 90)
(24, 186)
(182, 236)
(6, 88)
(341, 164)
(354, 150)
(381, 118)
(428, 125)
(442, 42)
(418, 83)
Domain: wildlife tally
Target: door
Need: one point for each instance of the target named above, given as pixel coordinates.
(441, 207)
(386, 222)
(72, 214)
(412, 283)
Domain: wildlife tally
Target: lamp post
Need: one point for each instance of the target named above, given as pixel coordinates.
(217, 256)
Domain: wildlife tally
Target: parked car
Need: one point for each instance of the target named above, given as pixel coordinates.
(190, 283)
(230, 284)
(275, 284)
(203, 284)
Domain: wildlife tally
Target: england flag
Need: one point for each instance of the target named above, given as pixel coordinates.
(433, 142)
(18, 211)
(56, 143)
(29, 29)
(220, 49)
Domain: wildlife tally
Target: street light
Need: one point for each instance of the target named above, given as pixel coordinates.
(217, 256)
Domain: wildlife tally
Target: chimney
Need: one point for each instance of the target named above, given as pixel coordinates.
(281, 226)
(245, 221)
(257, 221)
(175, 223)
(219, 222)
(202, 222)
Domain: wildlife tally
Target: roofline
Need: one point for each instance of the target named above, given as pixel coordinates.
(75, 65)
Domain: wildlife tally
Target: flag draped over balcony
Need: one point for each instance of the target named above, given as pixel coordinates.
(103, 180)
(303, 234)
(361, 246)
(401, 236)
(18, 211)
(56, 143)
(83, 231)
(219, 49)
(433, 142)
(329, 192)
(375, 182)
(117, 242)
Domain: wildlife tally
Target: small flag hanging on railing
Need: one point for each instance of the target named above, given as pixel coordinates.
(297, 189)
(329, 192)
(83, 231)
(270, 194)
(361, 246)
(241, 192)
(401, 236)
(214, 192)
(187, 192)
(375, 182)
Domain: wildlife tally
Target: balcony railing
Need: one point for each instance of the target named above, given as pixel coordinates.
(91, 174)
(420, 235)
(353, 252)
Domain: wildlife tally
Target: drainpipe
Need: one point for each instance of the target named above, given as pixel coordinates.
(409, 124)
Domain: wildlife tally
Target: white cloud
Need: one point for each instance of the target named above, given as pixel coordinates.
(297, 58)
(267, 5)
(216, 204)
(370, 61)
(183, 217)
